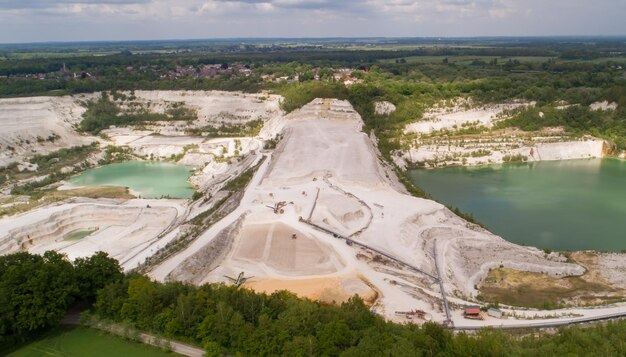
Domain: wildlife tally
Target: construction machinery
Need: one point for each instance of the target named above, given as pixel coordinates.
(278, 207)
(240, 280)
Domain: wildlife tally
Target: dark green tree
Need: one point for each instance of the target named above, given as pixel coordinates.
(95, 272)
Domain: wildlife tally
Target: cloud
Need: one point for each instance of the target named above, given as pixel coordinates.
(41, 20)
(40, 4)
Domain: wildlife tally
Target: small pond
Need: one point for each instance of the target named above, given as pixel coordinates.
(147, 178)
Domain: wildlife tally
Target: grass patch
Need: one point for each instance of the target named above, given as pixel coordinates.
(542, 291)
(81, 341)
(78, 235)
(240, 182)
(249, 129)
(93, 192)
(51, 196)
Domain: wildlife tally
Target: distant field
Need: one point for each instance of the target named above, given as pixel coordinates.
(34, 55)
(80, 341)
(617, 59)
(467, 59)
(81, 53)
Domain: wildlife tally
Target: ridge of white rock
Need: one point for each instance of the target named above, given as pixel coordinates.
(325, 168)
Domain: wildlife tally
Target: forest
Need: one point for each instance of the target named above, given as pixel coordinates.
(36, 292)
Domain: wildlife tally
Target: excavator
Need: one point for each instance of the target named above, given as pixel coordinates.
(240, 280)
(278, 207)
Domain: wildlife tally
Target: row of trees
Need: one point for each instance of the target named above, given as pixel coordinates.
(100, 65)
(299, 94)
(30, 87)
(227, 320)
(36, 291)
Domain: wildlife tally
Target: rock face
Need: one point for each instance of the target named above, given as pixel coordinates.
(118, 229)
(38, 125)
(603, 106)
(215, 107)
(496, 150)
(462, 114)
(570, 150)
(443, 138)
(384, 108)
(325, 183)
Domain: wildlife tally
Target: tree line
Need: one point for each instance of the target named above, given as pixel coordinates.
(36, 291)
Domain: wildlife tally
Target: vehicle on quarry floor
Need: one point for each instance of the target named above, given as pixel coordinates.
(240, 280)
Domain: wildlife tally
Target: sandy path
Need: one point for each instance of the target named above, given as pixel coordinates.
(161, 272)
(323, 143)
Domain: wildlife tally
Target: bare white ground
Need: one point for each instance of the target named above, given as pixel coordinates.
(384, 108)
(323, 139)
(122, 229)
(38, 125)
(461, 113)
(402, 229)
(603, 106)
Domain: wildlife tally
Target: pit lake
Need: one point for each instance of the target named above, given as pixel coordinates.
(558, 205)
(148, 179)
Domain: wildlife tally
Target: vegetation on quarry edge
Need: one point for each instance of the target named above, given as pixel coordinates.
(37, 291)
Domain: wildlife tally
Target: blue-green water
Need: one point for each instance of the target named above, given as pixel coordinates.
(149, 179)
(565, 205)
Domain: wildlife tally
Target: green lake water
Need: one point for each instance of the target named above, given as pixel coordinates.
(149, 179)
(559, 205)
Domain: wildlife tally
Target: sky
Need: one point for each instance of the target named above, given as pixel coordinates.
(98, 20)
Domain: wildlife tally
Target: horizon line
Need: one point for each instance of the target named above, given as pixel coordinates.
(239, 38)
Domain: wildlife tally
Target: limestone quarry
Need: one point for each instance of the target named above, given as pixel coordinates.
(37, 125)
(459, 133)
(131, 230)
(322, 214)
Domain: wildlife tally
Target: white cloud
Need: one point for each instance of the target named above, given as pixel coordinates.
(41, 20)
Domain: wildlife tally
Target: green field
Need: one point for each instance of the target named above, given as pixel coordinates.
(78, 235)
(80, 341)
(466, 60)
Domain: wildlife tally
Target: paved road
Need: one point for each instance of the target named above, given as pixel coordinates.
(546, 324)
(73, 318)
(177, 347)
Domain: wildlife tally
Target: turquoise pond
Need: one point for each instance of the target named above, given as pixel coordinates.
(559, 205)
(149, 179)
